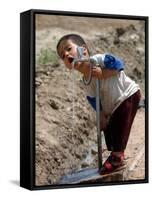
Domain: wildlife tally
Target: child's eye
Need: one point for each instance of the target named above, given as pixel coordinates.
(69, 48)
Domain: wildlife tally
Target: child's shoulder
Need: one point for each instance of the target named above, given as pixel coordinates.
(109, 61)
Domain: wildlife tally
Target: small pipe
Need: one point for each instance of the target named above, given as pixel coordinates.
(99, 138)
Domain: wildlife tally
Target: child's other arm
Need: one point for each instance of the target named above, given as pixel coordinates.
(99, 73)
(107, 73)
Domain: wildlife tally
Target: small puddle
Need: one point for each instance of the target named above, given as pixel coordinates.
(92, 154)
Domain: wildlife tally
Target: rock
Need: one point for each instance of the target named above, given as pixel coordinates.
(137, 72)
(54, 120)
(38, 81)
(140, 50)
(134, 37)
(120, 31)
(84, 155)
(81, 140)
(53, 104)
(48, 73)
(94, 151)
(85, 164)
(85, 117)
(49, 180)
(78, 155)
(141, 103)
(116, 41)
(64, 145)
(86, 132)
(69, 109)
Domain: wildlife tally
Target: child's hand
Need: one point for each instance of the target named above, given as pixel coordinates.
(103, 121)
(96, 72)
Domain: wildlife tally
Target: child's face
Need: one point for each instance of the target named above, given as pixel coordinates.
(68, 51)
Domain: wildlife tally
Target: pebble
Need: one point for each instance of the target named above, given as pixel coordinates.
(53, 104)
(38, 81)
(134, 37)
(55, 121)
(84, 164)
(94, 151)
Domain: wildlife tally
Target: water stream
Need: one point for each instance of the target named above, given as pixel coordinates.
(72, 112)
(89, 157)
(73, 99)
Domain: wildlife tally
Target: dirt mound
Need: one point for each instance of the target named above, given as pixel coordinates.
(59, 149)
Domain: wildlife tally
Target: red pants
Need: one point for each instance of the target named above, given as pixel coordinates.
(118, 129)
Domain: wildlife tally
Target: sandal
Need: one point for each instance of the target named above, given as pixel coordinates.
(113, 164)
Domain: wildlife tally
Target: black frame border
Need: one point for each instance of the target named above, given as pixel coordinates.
(27, 97)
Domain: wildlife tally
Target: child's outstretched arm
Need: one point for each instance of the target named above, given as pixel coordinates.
(110, 66)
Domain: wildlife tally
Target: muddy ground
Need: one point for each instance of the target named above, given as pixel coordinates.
(65, 143)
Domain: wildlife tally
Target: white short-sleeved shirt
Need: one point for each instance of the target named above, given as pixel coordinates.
(113, 90)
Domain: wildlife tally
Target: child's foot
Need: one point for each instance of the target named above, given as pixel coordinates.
(113, 163)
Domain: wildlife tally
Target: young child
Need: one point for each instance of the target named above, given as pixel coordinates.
(119, 96)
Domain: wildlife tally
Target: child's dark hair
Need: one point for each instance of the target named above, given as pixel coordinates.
(77, 39)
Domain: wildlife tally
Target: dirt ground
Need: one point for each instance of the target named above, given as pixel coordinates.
(64, 142)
